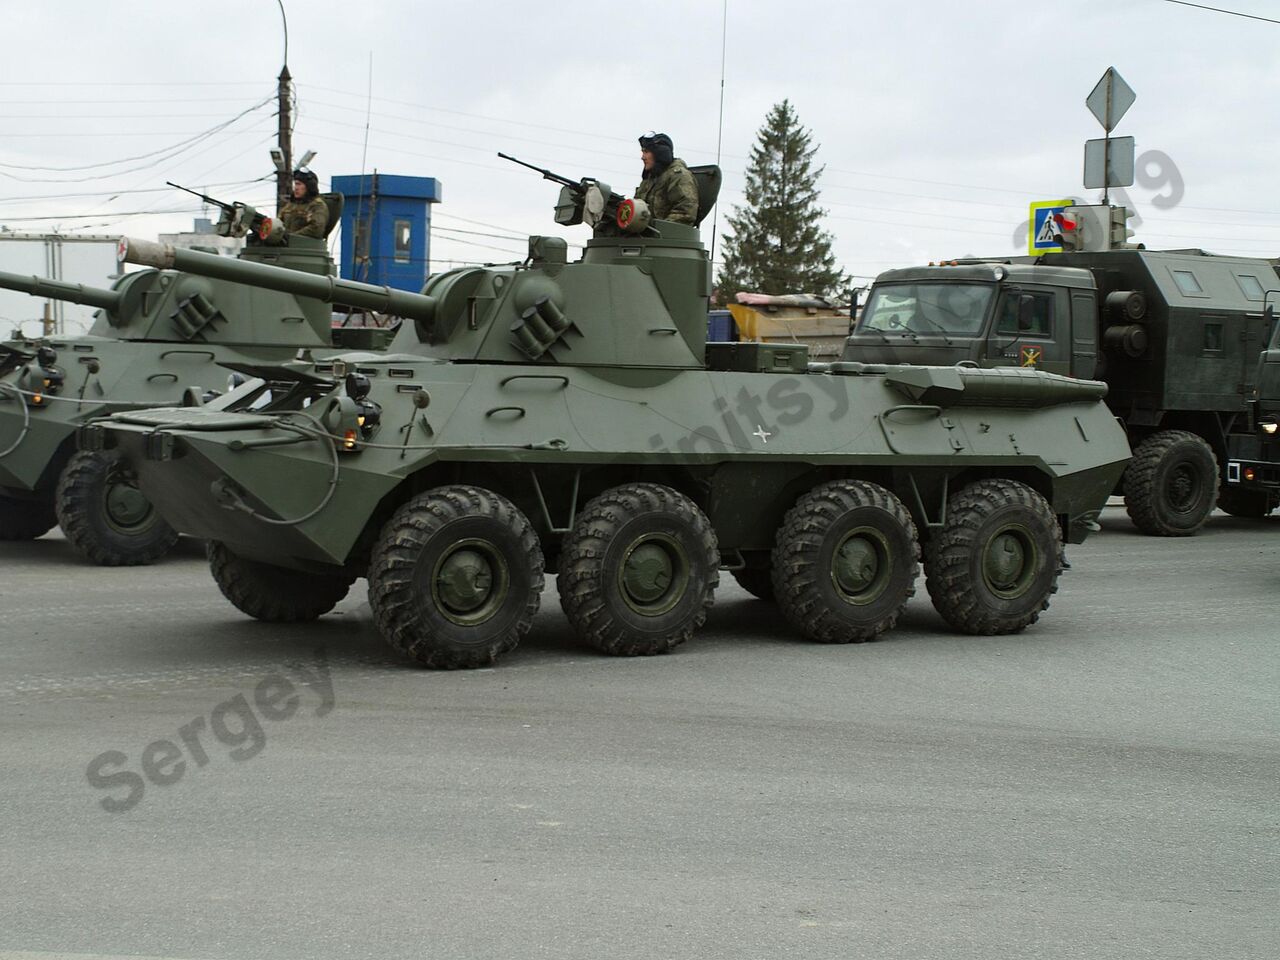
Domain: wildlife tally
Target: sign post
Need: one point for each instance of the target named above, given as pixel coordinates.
(1109, 101)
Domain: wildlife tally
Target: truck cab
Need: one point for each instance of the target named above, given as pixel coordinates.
(986, 314)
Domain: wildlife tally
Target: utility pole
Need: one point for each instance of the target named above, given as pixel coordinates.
(284, 172)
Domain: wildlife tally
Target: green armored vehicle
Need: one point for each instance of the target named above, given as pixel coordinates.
(157, 337)
(571, 416)
(1176, 336)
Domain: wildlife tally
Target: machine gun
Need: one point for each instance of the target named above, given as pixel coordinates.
(240, 219)
(591, 202)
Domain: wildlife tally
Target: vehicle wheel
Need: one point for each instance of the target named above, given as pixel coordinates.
(757, 581)
(1250, 504)
(639, 570)
(274, 594)
(1171, 484)
(846, 562)
(455, 577)
(22, 519)
(104, 515)
(995, 562)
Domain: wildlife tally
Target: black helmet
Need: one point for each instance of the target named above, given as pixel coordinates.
(660, 145)
(309, 179)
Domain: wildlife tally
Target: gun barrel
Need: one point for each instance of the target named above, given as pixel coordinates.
(412, 306)
(546, 174)
(61, 290)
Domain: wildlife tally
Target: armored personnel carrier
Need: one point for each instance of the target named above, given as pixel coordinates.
(1176, 336)
(158, 337)
(549, 415)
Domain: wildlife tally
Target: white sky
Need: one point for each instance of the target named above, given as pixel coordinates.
(938, 121)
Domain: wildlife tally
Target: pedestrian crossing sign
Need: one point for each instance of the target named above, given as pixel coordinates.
(1040, 238)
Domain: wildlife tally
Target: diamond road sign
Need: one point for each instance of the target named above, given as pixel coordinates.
(1111, 99)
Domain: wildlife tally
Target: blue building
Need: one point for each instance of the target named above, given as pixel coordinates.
(386, 228)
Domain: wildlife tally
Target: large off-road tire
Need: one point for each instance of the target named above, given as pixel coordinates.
(455, 577)
(846, 562)
(274, 594)
(639, 570)
(104, 515)
(757, 581)
(22, 519)
(1171, 484)
(1249, 504)
(995, 562)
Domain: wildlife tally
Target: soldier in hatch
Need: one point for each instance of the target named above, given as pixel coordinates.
(306, 215)
(666, 184)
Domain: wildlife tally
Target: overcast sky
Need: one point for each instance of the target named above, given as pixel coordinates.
(938, 121)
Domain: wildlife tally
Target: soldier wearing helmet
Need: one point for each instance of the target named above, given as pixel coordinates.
(306, 215)
(666, 184)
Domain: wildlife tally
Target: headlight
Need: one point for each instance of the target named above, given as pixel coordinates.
(351, 422)
(1269, 427)
(42, 380)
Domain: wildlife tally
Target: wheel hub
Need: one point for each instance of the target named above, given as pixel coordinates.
(860, 565)
(1009, 562)
(856, 565)
(1183, 488)
(653, 575)
(469, 582)
(126, 507)
(647, 574)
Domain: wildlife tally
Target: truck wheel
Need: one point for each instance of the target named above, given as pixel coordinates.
(1171, 484)
(1250, 504)
(455, 577)
(845, 562)
(274, 594)
(757, 581)
(22, 519)
(995, 562)
(104, 515)
(639, 570)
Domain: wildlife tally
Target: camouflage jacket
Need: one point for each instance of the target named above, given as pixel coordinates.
(672, 195)
(305, 218)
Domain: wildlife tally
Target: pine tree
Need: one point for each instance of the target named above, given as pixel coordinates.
(777, 245)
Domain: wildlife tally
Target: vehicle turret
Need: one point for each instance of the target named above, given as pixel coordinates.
(543, 310)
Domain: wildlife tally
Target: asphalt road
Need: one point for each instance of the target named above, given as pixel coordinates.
(1105, 785)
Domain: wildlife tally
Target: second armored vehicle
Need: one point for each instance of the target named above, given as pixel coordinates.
(571, 416)
(158, 337)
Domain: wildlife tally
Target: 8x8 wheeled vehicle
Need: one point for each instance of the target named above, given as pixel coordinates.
(564, 416)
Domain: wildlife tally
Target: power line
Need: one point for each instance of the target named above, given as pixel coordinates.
(147, 100)
(105, 116)
(172, 148)
(117, 193)
(1233, 13)
(129, 83)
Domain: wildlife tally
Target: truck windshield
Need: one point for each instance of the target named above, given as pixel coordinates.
(958, 309)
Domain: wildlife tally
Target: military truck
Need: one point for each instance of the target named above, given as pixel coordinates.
(571, 416)
(158, 337)
(1175, 335)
